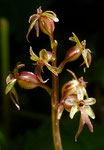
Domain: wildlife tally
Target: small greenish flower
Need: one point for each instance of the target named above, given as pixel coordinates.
(44, 20)
(42, 60)
(78, 50)
(25, 79)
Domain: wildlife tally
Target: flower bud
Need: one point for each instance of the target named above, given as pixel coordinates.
(73, 54)
(46, 25)
(28, 80)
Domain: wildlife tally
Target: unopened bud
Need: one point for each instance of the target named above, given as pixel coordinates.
(28, 80)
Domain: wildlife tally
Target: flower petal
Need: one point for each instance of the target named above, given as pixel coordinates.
(31, 26)
(75, 39)
(51, 15)
(10, 86)
(89, 111)
(73, 111)
(14, 97)
(52, 69)
(45, 56)
(33, 56)
(80, 93)
(84, 54)
(90, 101)
(83, 120)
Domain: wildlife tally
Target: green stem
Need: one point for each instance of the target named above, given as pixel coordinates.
(55, 101)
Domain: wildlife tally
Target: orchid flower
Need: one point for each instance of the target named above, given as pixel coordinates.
(80, 49)
(42, 60)
(44, 20)
(25, 79)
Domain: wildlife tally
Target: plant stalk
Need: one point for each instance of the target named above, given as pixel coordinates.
(55, 101)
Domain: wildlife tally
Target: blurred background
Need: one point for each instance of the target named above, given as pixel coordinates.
(30, 128)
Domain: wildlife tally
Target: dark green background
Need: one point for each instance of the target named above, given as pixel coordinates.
(30, 128)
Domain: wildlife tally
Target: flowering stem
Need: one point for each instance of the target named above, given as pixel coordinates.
(55, 101)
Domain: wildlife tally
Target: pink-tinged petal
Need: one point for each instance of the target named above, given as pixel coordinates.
(90, 101)
(70, 102)
(36, 26)
(89, 111)
(89, 58)
(38, 70)
(83, 120)
(9, 78)
(32, 24)
(73, 111)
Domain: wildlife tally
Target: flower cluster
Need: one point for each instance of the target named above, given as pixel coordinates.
(74, 99)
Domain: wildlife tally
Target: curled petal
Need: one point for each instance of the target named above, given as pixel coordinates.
(33, 56)
(38, 70)
(31, 26)
(51, 15)
(89, 111)
(45, 56)
(83, 120)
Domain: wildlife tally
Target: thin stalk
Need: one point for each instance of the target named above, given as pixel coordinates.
(55, 101)
(4, 56)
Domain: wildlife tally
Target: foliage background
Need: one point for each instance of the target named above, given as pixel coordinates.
(30, 128)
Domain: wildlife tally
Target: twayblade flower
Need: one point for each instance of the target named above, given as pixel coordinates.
(79, 49)
(42, 60)
(75, 98)
(44, 20)
(75, 86)
(25, 79)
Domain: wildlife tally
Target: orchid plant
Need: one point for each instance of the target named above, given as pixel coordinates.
(74, 96)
